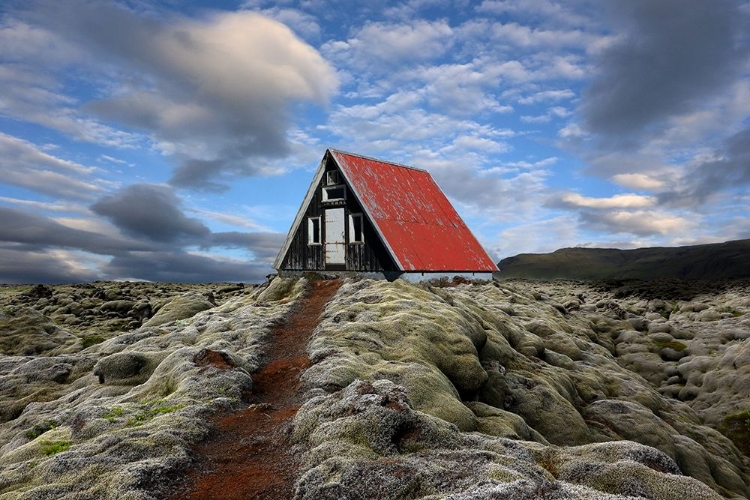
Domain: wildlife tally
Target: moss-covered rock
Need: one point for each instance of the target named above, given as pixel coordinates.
(550, 376)
(737, 428)
(180, 308)
(127, 368)
(27, 332)
(66, 435)
(367, 441)
(415, 391)
(404, 333)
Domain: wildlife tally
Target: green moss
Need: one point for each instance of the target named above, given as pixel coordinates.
(40, 429)
(118, 326)
(90, 340)
(140, 414)
(672, 344)
(283, 289)
(729, 309)
(313, 276)
(151, 410)
(737, 428)
(50, 448)
(112, 414)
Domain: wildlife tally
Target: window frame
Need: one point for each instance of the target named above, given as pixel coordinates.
(332, 178)
(311, 240)
(352, 231)
(328, 189)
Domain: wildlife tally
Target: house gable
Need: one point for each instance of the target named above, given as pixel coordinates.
(330, 201)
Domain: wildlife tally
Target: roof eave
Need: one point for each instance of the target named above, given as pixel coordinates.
(301, 213)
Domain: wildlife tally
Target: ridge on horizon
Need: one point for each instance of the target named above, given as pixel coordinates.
(727, 260)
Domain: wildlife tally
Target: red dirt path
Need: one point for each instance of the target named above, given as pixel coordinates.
(248, 454)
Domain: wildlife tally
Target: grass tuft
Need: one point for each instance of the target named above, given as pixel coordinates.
(40, 429)
(50, 448)
(112, 414)
(142, 413)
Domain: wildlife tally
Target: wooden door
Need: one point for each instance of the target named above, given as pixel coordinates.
(335, 242)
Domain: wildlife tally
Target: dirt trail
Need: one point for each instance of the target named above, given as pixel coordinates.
(248, 454)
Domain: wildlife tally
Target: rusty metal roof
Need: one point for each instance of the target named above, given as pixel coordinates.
(416, 221)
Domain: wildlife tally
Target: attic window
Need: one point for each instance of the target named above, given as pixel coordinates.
(332, 178)
(334, 193)
(356, 232)
(313, 231)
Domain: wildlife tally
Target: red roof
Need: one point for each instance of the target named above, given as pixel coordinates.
(416, 221)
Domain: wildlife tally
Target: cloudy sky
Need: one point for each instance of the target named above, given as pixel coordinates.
(174, 140)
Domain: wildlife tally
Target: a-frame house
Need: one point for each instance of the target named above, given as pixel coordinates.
(380, 219)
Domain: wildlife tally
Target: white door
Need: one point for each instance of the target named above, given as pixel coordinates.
(335, 241)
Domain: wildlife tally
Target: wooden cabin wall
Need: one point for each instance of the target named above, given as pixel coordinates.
(301, 256)
(371, 256)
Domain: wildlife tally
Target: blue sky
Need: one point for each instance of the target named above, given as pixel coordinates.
(174, 141)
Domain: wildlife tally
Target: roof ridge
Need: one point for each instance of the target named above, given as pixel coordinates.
(401, 165)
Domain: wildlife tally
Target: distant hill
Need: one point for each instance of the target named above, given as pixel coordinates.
(715, 261)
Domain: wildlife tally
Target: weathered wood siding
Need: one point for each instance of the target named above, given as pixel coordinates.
(370, 256)
(301, 256)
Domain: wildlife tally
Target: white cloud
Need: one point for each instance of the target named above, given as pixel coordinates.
(242, 56)
(306, 25)
(538, 236)
(639, 222)
(491, 197)
(230, 219)
(638, 181)
(725, 111)
(557, 12)
(553, 112)
(514, 166)
(513, 71)
(539, 67)
(571, 130)
(57, 206)
(21, 41)
(388, 44)
(457, 89)
(547, 95)
(616, 201)
(90, 224)
(46, 265)
(526, 37)
(473, 143)
(35, 97)
(551, 66)
(213, 92)
(536, 119)
(24, 165)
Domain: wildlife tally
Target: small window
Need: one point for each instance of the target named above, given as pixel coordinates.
(313, 231)
(334, 193)
(332, 178)
(356, 230)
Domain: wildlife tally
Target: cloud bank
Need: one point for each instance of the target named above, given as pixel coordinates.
(214, 93)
